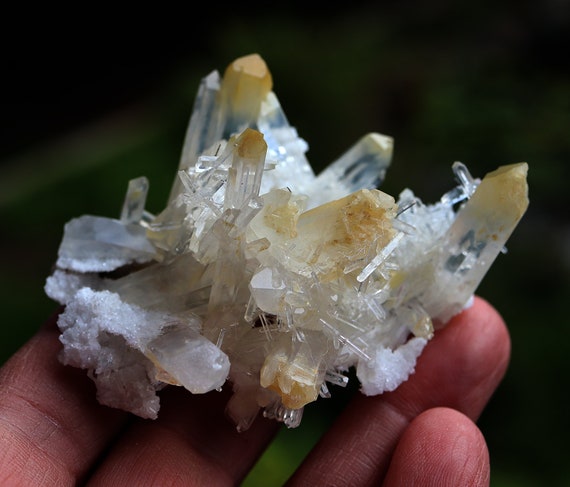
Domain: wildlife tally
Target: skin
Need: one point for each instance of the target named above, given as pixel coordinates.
(54, 433)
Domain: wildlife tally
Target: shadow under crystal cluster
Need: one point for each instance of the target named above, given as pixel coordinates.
(260, 274)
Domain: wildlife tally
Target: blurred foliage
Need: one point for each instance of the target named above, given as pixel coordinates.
(479, 83)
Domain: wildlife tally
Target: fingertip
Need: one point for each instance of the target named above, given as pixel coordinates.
(483, 312)
(440, 447)
(468, 358)
(488, 335)
(486, 329)
(485, 315)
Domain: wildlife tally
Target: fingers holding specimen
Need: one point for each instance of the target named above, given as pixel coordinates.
(191, 443)
(441, 447)
(460, 368)
(51, 427)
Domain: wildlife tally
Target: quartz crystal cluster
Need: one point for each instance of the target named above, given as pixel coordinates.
(262, 276)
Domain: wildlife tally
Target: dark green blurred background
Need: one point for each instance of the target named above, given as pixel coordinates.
(89, 104)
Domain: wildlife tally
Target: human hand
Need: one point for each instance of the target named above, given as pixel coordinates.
(54, 433)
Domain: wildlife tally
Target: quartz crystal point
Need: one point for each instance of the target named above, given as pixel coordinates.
(262, 276)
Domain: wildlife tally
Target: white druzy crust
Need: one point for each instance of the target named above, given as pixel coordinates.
(102, 334)
(261, 275)
(388, 368)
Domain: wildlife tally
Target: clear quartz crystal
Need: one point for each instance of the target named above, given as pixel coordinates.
(261, 276)
(133, 207)
(364, 165)
(99, 244)
(478, 234)
(182, 356)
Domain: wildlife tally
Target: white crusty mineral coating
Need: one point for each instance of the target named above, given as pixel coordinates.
(261, 276)
(388, 368)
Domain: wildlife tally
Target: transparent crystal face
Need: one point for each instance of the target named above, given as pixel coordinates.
(261, 276)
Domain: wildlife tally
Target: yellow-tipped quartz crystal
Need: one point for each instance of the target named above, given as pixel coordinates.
(262, 276)
(246, 83)
(478, 234)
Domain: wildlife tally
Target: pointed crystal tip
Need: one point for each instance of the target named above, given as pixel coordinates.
(252, 65)
(505, 189)
(246, 83)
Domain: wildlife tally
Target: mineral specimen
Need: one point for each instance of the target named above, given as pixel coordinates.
(264, 276)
